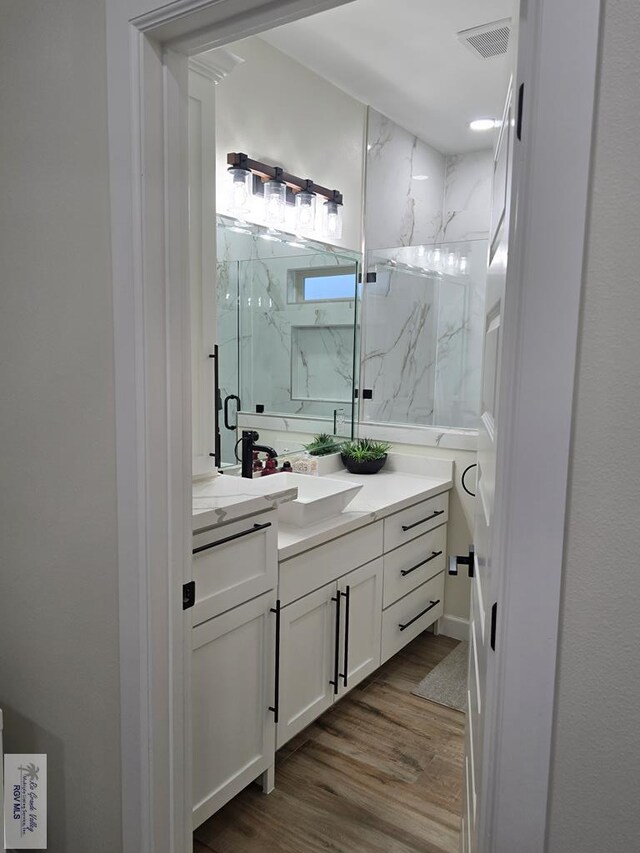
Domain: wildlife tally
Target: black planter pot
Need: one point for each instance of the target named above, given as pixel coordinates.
(355, 467)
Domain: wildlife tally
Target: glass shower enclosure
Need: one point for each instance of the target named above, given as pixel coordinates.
(422, 316)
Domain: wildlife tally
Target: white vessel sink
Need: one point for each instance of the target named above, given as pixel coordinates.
(318, 497)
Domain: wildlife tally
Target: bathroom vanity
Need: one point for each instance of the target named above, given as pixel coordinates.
(288, 619)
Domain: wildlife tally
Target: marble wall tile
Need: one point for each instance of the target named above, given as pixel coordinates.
(400, 210)
(467, 196)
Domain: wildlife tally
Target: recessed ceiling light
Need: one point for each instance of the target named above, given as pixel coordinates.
(420, 177)
(484, 124)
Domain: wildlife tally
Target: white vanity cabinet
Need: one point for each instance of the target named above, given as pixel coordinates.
(233, 659)
(415, 546)
(351, 603)
(232, 690)
(330, 637)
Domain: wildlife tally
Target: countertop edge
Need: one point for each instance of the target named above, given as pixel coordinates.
(347, 522)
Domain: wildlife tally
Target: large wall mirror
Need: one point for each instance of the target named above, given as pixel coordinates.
(287, 326)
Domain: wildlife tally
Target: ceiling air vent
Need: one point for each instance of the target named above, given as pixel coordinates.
(488, 40)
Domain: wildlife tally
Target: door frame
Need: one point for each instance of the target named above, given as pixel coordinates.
(148, 42)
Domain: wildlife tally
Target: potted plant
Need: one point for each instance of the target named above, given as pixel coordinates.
(364, 456)
(322, 445)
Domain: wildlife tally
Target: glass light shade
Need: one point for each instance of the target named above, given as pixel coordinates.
(239, 190)
(332, 220)
(305, 212)
(275, 199)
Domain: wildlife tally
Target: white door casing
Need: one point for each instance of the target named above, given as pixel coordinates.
(202, 262)
(147, 124)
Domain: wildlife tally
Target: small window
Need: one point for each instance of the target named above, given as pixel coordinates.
(322, 284)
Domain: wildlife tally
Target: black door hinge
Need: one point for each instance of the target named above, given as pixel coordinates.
(188, 595)
(520, 111)
(494, 619)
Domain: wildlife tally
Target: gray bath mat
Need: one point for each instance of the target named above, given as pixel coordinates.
(446, 684)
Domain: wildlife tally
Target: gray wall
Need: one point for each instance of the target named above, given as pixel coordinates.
(58, 575)
(596, 760)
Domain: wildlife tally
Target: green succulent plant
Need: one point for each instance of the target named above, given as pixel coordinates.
(365, 449)
(322, 445)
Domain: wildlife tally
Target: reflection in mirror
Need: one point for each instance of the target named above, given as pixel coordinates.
(422, 335)
(286, 329)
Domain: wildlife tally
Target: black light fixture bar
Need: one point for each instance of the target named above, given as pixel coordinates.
(276, 173)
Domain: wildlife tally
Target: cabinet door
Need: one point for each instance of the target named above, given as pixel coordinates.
(361, 617)
(233, 659)
(307, 655)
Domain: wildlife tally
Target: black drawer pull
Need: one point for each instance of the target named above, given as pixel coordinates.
(405, 572)
(435, 514)
(336, 651)
(422, 612)
(275, 708)
(345, 675)
(254, 529)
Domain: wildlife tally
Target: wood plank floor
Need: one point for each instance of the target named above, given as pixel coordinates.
(380, 772)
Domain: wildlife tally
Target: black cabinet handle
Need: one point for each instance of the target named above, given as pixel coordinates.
(405, 572)
(336, 653)
(422, 612)
(254, 529)
(227, 400)
(275, 708)
(344, 675)
(435, 514)
(217, 405)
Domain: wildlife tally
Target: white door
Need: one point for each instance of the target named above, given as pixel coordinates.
(361, 617)
(233, 687)
(485, 582)
(307, 660)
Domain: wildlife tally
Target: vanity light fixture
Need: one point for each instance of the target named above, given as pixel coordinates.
(240, 182)
(481, 124)
(332, 217)
(277, 189)
(275, 201)
(305, 203)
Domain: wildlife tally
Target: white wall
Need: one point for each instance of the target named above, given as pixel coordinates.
(596, 758)
(275, 110)
(59, 680)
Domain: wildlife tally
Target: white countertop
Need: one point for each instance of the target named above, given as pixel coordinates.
(404, 481)
(225, 498)
(381, 495)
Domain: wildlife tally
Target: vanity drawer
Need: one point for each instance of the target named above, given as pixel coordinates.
(410, 565)
(414, 521)
(408, 617)
(319, 566)
(234, 563)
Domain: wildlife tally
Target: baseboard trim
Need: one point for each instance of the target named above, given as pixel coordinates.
(454, 626)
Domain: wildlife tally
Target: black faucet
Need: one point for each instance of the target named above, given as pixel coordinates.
(249, 438)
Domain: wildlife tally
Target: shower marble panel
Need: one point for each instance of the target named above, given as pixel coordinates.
(401, 210)
(467, 196)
